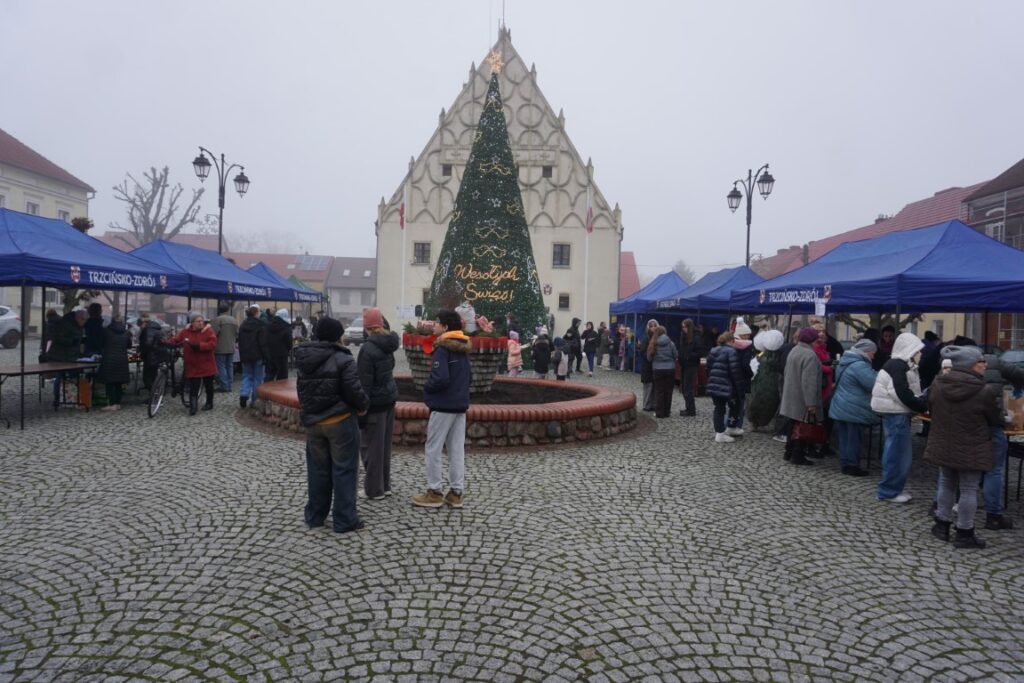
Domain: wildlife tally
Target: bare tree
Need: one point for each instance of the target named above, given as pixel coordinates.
(684, 271)
(877, 321)
(155, 208)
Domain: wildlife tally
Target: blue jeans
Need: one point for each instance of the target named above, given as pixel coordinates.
(897, 455)
(590, 360)
(225, 370)
(252, 377)
(332, 463)
(849, 435)
(993, 483)
(736, 407)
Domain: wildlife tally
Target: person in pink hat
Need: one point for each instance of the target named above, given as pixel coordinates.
(376, 365)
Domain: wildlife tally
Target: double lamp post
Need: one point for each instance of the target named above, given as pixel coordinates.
(202, 167)
(764, 181)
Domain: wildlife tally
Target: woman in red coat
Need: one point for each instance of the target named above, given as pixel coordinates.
(199, 342)
(827, 386)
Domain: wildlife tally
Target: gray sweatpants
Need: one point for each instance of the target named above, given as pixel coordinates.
(448, 431)
(375, 449)
(648, 395)
(968, 503)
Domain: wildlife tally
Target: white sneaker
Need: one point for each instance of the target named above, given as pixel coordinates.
(734, 431)
(781, 438)
(722, 437)
(901, 498)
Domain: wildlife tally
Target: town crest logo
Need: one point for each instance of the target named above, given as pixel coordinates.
(76, 274)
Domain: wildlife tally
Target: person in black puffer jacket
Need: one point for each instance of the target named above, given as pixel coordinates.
(279, 345)
(725, 381)
(541, 356)
(114, 370)
(253, 353)
(329, 393)
(376, 364)
(691, 350)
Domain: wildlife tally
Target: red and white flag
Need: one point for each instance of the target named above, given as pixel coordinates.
(590, 219)
(401, 216)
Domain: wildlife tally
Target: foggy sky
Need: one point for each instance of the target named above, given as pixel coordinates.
(859, 107)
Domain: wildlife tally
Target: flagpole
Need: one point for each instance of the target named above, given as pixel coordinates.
(405, 262)
(588, 227)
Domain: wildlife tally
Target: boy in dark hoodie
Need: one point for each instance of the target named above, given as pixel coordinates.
(329, 393)
(446, 394)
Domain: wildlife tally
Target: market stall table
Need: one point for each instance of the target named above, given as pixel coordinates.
(9, 371)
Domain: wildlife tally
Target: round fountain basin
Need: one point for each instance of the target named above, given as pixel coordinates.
(543, 412)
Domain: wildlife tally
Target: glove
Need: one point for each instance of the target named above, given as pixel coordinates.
(195, 346)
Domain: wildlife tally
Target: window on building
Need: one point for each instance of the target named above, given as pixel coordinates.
(563, 302)
(937, 328)
(64, 215)
(426, 294)
(346, 272)
(32, 208)
(560, 256)
(366, 273)
(547, 171)
(366, 297)
(3, 201)
(421, 253)
(291, 266)
(446, 170)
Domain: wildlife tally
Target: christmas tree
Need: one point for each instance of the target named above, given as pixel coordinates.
(487, 258)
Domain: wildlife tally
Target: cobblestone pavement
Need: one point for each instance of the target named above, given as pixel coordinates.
(174, 549)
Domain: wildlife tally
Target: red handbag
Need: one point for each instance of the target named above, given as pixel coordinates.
(809, 432)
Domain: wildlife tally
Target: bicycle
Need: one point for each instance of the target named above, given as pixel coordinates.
(166, 375)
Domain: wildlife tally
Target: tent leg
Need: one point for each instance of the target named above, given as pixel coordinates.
(23, 342)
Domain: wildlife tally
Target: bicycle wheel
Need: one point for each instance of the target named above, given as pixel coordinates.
(156, 394)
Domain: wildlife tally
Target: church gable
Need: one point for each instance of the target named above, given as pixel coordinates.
(552, 176)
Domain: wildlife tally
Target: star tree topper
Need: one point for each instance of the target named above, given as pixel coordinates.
(494, 59)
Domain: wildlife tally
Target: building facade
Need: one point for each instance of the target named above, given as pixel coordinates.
(352, 286)
(31, 183)
(997, 209)
(579, 271)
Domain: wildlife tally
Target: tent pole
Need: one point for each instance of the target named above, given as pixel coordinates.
(23, 340)
(984, 327)
(42, 320)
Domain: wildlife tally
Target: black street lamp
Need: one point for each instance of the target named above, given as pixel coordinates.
(202, 167)
(764, 181)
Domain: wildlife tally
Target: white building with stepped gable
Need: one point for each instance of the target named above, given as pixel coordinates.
(579, 276)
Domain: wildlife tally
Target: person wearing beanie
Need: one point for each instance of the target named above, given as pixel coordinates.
(850, 407)
(515, 354)
(253, 354)
(801, 395)
(946, 366)
(446, 393)
(331, 398)
(199, 342)
(745, 349)
(963, 410)
(376, 365)
(279, 345)
(541, 356)
(897, 396)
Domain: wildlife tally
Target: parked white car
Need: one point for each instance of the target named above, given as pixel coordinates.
(10, 327)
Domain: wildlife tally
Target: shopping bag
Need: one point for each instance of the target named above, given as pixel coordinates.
(1015, 406)
(84, 392)
(809, 432)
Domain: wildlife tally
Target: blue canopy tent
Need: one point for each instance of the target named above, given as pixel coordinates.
(41, 252)
(295, 293)
(209, 274)
(712, 292)
(645, 301)
(37, 251)
(944, 267)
